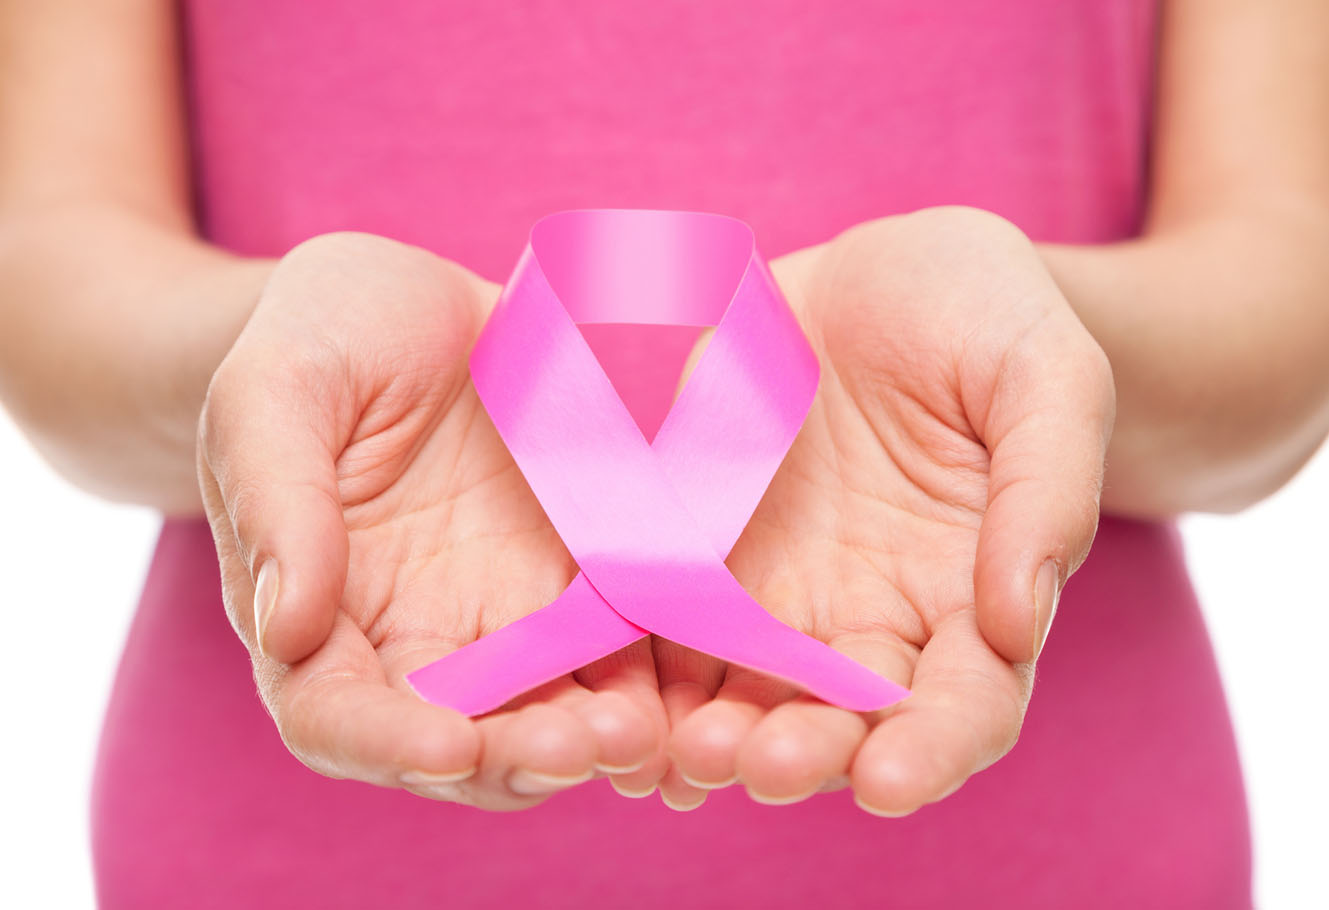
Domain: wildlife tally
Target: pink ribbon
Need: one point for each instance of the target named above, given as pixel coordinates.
(649, 525)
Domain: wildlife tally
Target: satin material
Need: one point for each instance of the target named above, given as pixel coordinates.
(649, 525)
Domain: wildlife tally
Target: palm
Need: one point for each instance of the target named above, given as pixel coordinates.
(432, 550)
(456, 546)
(445, 541)
(870, 527)
(868, 535)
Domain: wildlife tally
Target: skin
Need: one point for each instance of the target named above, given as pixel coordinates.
(345, 447)
(907, 527)
(955, 446)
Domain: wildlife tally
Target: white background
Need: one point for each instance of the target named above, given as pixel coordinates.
(71, 566)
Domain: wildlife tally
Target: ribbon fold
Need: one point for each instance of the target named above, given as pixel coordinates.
(649, 525)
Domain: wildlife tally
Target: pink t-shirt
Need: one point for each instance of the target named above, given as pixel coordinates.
(454, 126)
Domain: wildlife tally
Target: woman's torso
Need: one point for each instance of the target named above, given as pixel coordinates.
(455, 126)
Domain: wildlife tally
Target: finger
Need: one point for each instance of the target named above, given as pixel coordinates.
(636, 734)
(271, 461)
(527, 755)
(688, 679)
(1047, 431)
(676, 792)
(537, 752)
(541, 748)
(643, 781)
(964, 713)
(334, 710)
(705, 743)
(531, 752)
(805, 746)
(336, 713)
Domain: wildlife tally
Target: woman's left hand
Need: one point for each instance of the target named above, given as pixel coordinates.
(945, 485)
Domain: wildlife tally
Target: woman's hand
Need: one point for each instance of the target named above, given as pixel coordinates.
(369, 520)
(944, 486)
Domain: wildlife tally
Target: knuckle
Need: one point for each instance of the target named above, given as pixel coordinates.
(334, 244)
(1106, 385)
(983, 239)
(1093, 369)
(211, 416)
(970, 219)
(970, 226)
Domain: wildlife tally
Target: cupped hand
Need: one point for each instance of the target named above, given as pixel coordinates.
(941, 491)
(369, 520)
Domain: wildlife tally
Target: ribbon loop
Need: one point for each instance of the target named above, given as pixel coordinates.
(649, 525)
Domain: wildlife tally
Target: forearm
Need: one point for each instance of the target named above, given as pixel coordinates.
(1217, 330)
(111, 325)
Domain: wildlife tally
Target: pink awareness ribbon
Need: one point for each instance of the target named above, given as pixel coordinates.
(648, 524)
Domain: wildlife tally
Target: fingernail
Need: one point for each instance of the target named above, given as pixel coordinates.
(436, 786)
(430, 778)
(631, 794)
(619, 769)
(880, 813)
(265, 599)
(1047, 590)
(533, 783)
(681, 807)
(766, 800)
(708, 785)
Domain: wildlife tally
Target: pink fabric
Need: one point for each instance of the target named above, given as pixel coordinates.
(455, 126)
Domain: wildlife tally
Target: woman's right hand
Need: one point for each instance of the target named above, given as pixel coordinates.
(369, 520)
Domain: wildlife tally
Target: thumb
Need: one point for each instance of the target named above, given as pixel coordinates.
(267, 467)
(1047, 433)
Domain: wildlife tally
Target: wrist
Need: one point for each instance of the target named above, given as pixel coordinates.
(205, 310)
(1219, 401)
(117, 324)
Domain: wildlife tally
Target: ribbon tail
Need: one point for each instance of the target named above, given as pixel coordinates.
(488, 672)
